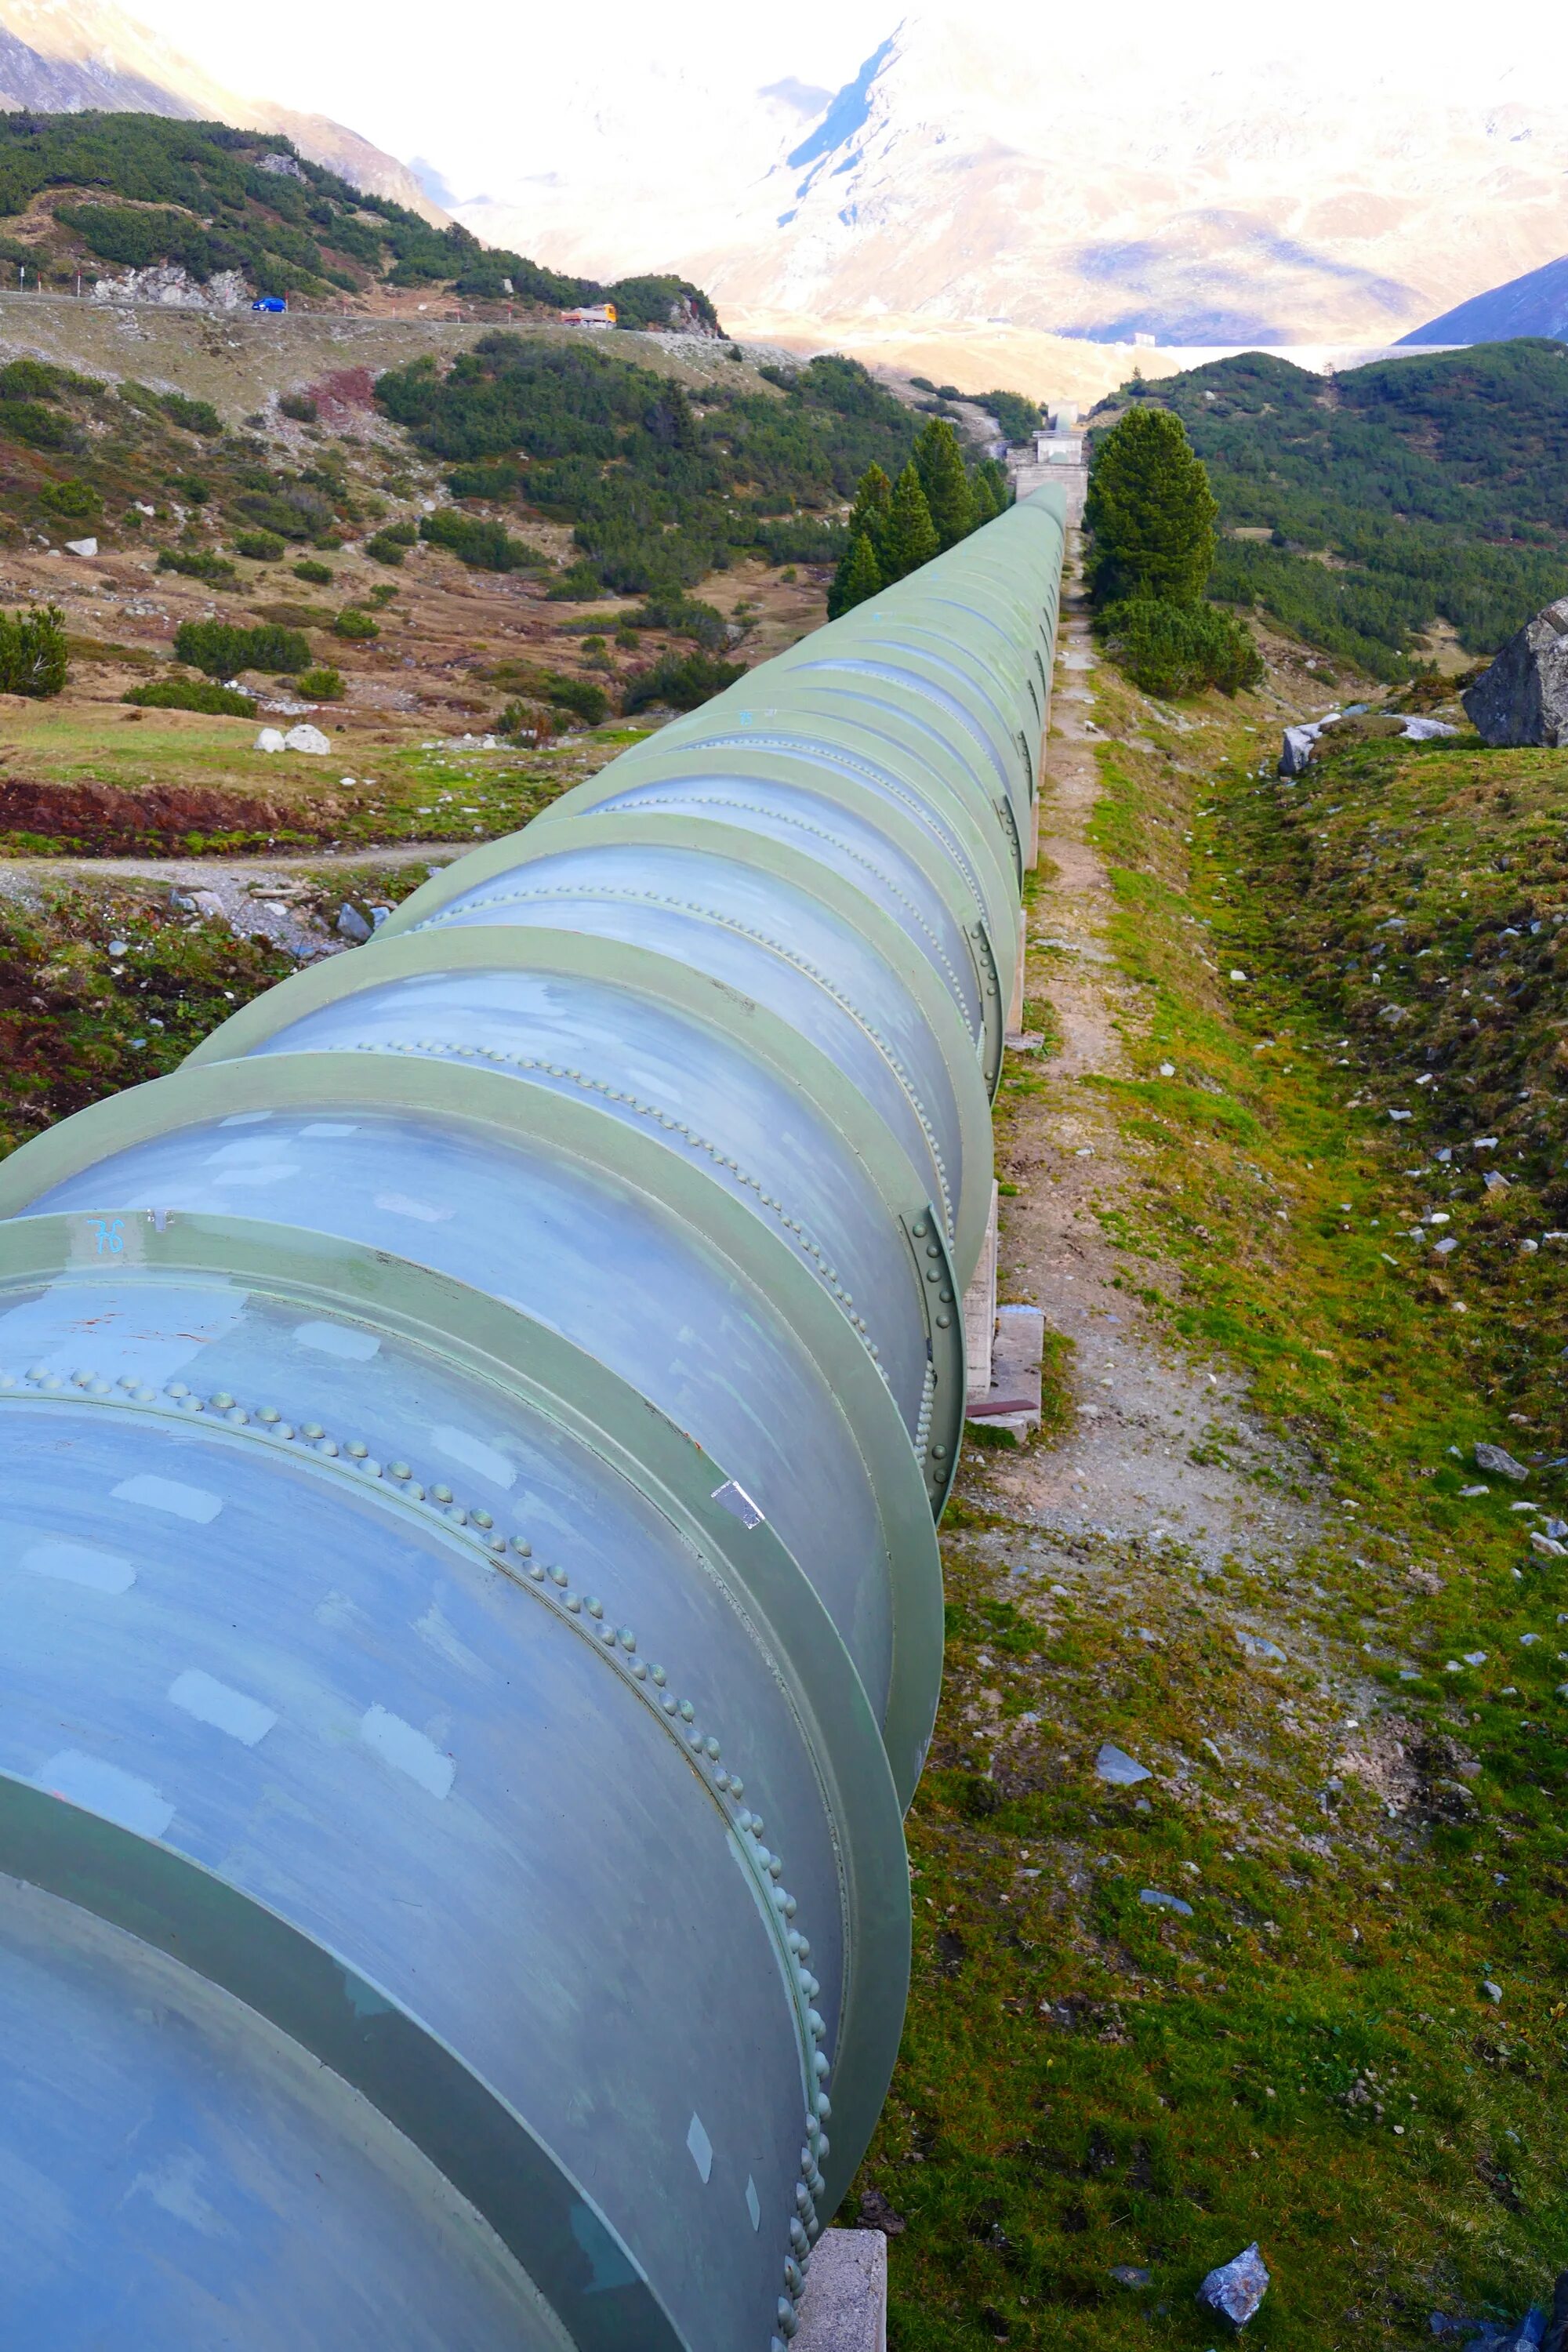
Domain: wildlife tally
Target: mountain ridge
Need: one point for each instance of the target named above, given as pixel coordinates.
(954, 182)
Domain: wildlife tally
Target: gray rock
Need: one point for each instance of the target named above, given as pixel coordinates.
(877, 2213)
(1494, 1457)
(1127, 2274)
(1114, 1764)
(1523, 696)
(1237, 2288)
(1262, 1651)
(1159, 1902)
(1522, 2335)
(351, 925)
(1556, 2336)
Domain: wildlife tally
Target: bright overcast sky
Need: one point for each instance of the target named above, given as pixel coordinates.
(476, 101)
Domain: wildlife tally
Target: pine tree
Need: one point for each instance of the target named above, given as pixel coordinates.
(868, 515)
(939, 461)
(984, 497)
(1150, 512)
(910, 538)
(858, 575)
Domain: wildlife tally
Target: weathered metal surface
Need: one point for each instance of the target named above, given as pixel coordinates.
(469, 1444)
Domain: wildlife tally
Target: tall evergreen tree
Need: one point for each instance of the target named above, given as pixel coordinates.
(910, 538)
(984, 498)
(1150, 512)
(939, 461)
(858, 576)
(873, 504)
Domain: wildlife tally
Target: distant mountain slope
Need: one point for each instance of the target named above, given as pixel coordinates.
(1535, 304)
(1416, 491)
(1055, 182)
(63, 55)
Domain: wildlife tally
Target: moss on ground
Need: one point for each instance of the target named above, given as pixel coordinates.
(1099, 2096)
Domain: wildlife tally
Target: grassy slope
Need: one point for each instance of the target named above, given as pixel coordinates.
(1310, 2059)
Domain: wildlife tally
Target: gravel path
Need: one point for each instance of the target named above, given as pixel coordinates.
(1125, 1468)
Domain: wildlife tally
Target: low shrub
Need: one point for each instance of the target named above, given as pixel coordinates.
(192, 694)
(260, 546)
(1175, 649)
(33, 659)
(683, 616)
(193, 566)
(531, 722)
(320, 575)
(387, 547)
(299, 407)
(221, 648)
(75, 497)
(351, 623)
(683, 681)
(488, 546)
(578, 585)
(195, 416)
(581, 696)
(191, 487)
(323, 683)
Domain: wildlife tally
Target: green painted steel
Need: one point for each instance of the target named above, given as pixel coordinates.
(470, 1444)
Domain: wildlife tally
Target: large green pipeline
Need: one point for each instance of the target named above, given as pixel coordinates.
(469, 1449)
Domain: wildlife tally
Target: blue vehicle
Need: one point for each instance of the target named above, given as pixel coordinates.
(269, 302)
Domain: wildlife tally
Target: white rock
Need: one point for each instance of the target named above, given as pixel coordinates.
(270, 740)
(305, 739)
(81, 547)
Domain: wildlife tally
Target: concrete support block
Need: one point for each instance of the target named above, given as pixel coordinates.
(1015, 1008)
(845, 2306)
(1010, 1408)
(979, 1310)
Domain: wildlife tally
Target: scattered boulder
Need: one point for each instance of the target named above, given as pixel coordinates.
(270, 740)
(305, 739)
(81, 547)
(1494, 1458)
(1523, 696)
(1122, 1771)
(877, 2213)
(1157, 1901)
(351, 925)
(1237, 2288)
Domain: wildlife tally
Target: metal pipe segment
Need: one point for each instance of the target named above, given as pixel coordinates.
(469, 1449)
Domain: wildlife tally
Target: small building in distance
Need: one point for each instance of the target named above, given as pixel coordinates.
(598, 314)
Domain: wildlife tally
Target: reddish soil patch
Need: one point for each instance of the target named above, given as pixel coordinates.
(337, 396)
(103, 820)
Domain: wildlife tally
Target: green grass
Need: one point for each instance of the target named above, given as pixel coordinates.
(1088, 2082)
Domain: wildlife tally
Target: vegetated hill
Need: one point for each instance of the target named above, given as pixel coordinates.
(62, 56)
(241, 213)
(660, 489)
(1398, 496)
(571, 475)
(1535, 304)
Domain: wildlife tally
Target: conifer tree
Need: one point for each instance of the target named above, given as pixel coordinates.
(1150, 511)
(984, 498)
(939, 461)
(910, 537)
(858, 575)
(873, 503)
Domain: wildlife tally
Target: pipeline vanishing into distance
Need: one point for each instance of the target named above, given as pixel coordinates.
(470, 1445)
